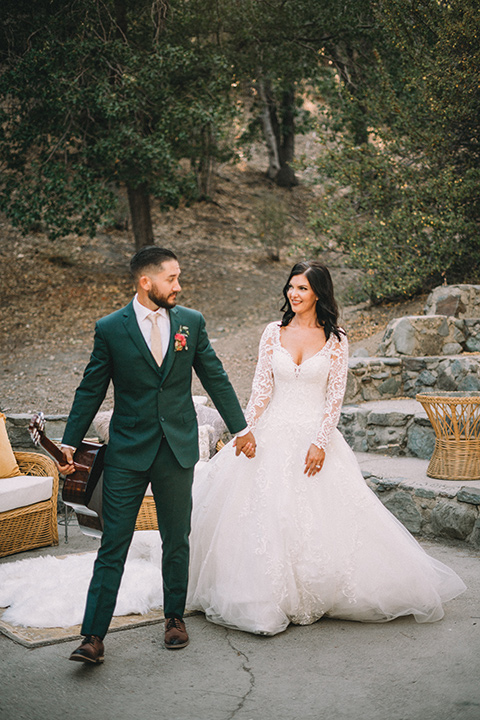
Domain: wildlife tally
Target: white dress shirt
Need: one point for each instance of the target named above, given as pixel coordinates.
(145, 325)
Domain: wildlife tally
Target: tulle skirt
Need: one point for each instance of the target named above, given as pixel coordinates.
(271, 546)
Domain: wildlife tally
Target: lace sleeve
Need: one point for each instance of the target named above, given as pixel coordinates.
(337, 380)
(262, 385)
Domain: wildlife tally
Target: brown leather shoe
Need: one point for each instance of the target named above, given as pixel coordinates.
(176, 636)
(90, 651)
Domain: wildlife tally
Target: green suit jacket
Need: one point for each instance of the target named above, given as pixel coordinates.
(150, 400)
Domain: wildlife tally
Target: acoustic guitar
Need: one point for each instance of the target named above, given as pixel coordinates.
(82, 489)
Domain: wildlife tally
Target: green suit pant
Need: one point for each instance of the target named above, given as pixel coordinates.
(123, 492)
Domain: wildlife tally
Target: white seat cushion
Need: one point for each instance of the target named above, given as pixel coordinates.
(22, 490)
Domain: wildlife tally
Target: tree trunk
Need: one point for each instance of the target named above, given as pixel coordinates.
(139, 202)
(359, 125)
(205, 165)
(279, 136)
(287, 150)
(269, 131)
(286, 176)
(350, 74)
(159, 12)
(121, 18)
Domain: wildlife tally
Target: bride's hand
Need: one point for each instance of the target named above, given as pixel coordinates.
(314, 460)
(246, 444)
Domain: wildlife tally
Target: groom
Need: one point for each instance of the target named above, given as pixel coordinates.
(148, 350)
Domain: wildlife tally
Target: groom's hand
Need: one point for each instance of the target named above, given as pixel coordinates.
(67, 467)
(246, 444)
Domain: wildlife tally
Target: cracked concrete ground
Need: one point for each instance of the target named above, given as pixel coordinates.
(332, 670)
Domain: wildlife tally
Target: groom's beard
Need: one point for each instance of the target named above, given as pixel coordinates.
(162, 301)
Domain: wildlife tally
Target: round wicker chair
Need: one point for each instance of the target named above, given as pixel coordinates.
(455, 417)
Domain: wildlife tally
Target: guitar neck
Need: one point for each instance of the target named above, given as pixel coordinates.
(52, 449)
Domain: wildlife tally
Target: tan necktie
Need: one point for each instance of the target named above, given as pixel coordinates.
(155, 339)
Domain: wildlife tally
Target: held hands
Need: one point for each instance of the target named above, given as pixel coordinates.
(67, 468)
(314, 460)
(246, 444)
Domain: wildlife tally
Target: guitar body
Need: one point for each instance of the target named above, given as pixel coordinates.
(79, 486)
(82, 489)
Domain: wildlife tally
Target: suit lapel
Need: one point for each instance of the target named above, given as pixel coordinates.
(131, 325)
(170, 356)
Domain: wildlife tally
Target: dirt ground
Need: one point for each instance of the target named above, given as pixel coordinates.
(52, 292)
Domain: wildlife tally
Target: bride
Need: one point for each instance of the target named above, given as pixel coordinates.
(295, 533)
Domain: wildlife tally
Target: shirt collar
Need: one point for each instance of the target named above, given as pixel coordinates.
(143, 312)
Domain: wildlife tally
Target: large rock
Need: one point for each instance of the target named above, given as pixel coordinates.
(403, 507)
(453, 521)
(421, 440)
(472, 327)
(386, 440)
(460, 301)
(428, 335)
(469, 495)
(474, 538)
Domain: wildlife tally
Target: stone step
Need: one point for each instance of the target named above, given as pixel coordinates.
(426, 506)
(382, 378)
(389, 427)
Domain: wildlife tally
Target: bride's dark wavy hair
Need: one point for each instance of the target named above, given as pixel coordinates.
(321, 283)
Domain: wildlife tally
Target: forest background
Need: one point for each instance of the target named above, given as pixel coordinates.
(244, 133)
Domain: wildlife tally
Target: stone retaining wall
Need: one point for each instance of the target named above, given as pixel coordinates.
(389, 433)
(380, 378)
(17, 429)
(374, 378)
(436, 511)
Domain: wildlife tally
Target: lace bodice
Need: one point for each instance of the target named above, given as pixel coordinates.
(309, 395)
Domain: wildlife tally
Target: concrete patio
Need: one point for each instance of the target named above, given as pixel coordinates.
(330, 670)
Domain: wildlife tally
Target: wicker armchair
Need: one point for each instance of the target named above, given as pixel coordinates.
(32, 526)
(147, 515)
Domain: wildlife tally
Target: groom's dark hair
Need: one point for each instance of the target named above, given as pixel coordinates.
(149, 256)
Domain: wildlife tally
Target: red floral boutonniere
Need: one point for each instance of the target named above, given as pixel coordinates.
(181, 338)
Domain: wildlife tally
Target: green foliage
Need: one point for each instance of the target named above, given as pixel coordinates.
(403, 223)
(91, 99)
(406, 204)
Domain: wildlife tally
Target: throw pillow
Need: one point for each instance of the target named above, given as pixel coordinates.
(8, 464)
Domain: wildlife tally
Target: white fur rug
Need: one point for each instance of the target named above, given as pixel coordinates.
(49, 591)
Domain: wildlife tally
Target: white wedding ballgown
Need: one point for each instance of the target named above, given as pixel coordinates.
(271, 546)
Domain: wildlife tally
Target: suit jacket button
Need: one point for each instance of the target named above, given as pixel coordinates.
(162, 419)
